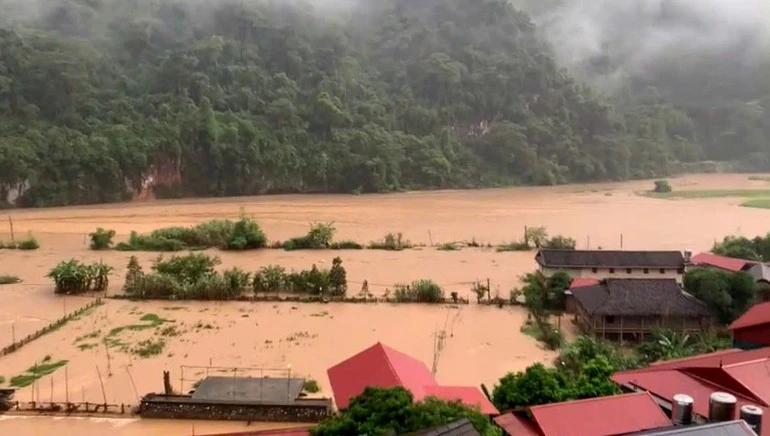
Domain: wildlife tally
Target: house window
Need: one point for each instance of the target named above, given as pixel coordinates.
(628, 270)
(662, 271)
(612, 270)
(680, 271)
(646, 270)
(594, 270)
(610, 319)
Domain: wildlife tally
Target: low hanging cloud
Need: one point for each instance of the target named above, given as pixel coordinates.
(636, 38)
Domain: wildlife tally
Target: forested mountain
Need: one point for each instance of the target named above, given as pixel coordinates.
(101, 100)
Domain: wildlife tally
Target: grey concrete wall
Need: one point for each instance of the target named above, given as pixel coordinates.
(184, 407)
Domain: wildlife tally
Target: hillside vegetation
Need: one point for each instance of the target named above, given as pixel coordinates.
(102, 100)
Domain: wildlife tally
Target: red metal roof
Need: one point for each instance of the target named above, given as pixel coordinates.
(721, 262)
(759, 314)
(582, 282)
(299, 431)
(745, 374)
(603, 416)
(467, 395)
(382, 366)
(516, 425)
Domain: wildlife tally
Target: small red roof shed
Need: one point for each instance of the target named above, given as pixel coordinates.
(382, 366)
(752, 329)
(603, 416)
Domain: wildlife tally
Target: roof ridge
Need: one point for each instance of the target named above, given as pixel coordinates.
(589, 400)
(384, 349)
(724, 388)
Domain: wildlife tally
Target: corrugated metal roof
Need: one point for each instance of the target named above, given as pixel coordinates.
(603, 416)
(609, 258)
(462, 427)
(382, 366)
(468, 395)
(379, 366)
(721, 262)
(745, 374)
(729, 428)
(514, 425)
(758, 314)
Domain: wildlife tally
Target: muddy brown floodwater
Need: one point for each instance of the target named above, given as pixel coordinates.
(483, 342)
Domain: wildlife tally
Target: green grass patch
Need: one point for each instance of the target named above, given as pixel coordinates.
(9, 280)
(760, 178)
(759, 203)
(149, 348)
(2, 379)
(151, 321)
(87, 346)
(92, 335)
(710, 193)
(47, 366)
(448, 246)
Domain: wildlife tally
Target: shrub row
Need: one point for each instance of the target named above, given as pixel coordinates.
(193, 277)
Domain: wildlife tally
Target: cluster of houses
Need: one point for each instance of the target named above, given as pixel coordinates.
(630, 294)
(613, 295)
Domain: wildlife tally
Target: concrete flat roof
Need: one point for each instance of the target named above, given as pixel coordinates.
(249, 389)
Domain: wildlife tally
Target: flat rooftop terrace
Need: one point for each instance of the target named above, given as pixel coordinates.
(249, 389)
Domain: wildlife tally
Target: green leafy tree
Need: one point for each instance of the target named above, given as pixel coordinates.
(380, 410)
(536, 385)
(727, 294)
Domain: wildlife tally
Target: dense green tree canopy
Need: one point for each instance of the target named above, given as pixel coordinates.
(727, 294)
(379, 410)
(104, 99)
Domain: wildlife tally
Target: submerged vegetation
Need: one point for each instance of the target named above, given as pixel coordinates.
(243, 234)
(33, 373)
(101, 239)
(537, 237)
(193, 277)
(73, 277)
(28, 243)
(9, 280)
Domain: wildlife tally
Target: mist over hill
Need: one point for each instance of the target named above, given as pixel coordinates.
(104, 100)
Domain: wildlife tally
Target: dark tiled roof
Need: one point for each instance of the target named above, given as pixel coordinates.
(638, 297)
(461, 427)
(609, 259)
(729, 428)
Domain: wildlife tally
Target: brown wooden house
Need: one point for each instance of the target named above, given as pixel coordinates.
(633, 308)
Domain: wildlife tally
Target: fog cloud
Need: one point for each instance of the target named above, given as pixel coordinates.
(641, 36)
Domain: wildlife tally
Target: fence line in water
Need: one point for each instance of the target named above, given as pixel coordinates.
(49, 328)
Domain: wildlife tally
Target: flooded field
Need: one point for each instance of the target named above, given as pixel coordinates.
(483, 342)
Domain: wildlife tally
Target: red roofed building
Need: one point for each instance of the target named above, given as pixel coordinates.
(744, 374)
(603, 416)
(382, 366)
(752, 329)
(731, 264)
